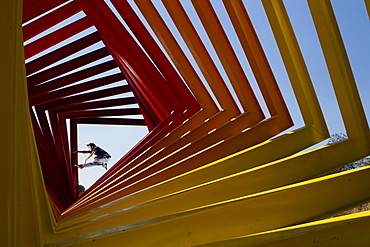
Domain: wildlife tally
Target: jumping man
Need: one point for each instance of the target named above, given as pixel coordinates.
(101, 158)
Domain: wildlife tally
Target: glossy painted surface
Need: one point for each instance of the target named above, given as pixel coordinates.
(221, 165)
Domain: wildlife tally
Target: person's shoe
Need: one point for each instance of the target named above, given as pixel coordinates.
(105, 165)
(79, 166)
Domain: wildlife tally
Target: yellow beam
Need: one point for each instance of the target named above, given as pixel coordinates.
(187, 191)
(25, 215)
(340, 69)
(295, 65)
(236, 163)
(344, 231)
(245, 215)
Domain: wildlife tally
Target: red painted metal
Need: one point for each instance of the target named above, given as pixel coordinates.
(112, 121)
(61, 53)
(160, 95)
(34, 8)
(88, 96)
(56, 179)
(126, 51)
(99, 113)
(66, 67)
(72, 78)
(151, 47)
(95, 104)
(43, 23)
(149, 115)
(57, 95)
(56, 37)
(74, 146)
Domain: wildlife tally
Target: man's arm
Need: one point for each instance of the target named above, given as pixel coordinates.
(82, 152)
(92, 153)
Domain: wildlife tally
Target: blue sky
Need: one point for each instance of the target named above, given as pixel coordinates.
(355, 28)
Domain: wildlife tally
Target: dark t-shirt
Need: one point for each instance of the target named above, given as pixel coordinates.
(101, 152)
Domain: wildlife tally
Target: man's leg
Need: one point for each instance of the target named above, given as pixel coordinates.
(98, 161)
(88, 164)
(81, 166)
(103, 162)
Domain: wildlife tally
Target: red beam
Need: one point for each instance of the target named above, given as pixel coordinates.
(72, 78)
(54, 38)
(131, 58)
(111, 121)
(87, 96)
(66, 67)
(61, 53)
(34, 8)
(55, 176)
(100, 113)
(60, 134)
(56, 95)
(74, 145)
(34, 28)
(166, 126)
(151, 47)
(149, 115)
(96, 104)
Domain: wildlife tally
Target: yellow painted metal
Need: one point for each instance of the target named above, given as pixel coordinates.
(237, 163)
(367, 3)
(344, 231)
(24, 212)
(237, 175)
(249, 214)
(193, 192)
(295, 65)
(340, 70)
